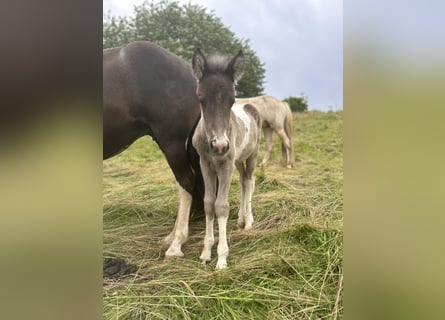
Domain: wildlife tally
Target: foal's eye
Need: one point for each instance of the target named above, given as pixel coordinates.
(203, 103)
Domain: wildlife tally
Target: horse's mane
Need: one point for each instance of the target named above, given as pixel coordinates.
(216, 64)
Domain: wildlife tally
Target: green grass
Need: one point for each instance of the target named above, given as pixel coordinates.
(289, 266)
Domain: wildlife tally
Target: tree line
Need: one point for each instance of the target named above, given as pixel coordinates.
(182, 28)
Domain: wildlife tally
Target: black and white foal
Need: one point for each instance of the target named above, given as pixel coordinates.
(227, 135)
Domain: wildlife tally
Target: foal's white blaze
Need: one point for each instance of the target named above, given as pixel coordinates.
(180, 231)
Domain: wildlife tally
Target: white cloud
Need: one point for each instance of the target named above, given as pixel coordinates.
(120, 7)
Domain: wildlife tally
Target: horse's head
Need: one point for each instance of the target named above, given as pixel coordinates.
(216, 91)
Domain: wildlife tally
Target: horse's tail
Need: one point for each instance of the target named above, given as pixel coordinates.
(197, 210)
(288, 130)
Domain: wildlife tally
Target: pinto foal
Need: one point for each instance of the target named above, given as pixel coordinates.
(226, 136)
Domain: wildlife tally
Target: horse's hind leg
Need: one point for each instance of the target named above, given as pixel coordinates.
(242, 208)
(286, 143)
(283, 152)
(269, 144)
(249, 185)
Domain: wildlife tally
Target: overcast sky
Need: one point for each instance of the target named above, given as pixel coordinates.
(300, 42)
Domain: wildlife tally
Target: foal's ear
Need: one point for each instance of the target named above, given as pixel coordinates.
(236, 66)
(199, 63)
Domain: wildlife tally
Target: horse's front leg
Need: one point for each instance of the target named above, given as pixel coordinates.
(222, 211)
(209, 208)
(180, 232)
(178, 162)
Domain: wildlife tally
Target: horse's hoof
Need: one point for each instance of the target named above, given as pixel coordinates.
(249, 222)
(172, 253)
(289, 166)
(204, 262)
(205, 258)
(221, 265)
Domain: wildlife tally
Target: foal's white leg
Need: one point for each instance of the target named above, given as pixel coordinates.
(223, 248)
(269, 143)
(249, 183)
(209, 239)
(242, 207)
(222, 210)
(180, 232)
(250, 186)
(209, 209)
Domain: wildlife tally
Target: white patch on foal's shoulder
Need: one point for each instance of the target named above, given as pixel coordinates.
(239, 111)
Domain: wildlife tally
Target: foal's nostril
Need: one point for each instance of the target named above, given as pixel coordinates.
(213, 143)
(220, 145)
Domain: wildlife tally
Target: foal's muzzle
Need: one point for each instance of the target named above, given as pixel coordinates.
(219, 145)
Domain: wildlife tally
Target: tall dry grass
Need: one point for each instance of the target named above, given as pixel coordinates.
(288, 267)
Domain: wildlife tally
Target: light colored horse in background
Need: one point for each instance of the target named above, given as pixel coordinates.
(227, 135)
(276, 116)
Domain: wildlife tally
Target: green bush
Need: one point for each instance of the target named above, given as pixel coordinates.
(297, 104)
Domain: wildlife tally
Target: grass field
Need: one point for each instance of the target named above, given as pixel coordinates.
(289, 266)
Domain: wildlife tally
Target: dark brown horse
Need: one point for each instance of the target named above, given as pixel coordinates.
(149, 91)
